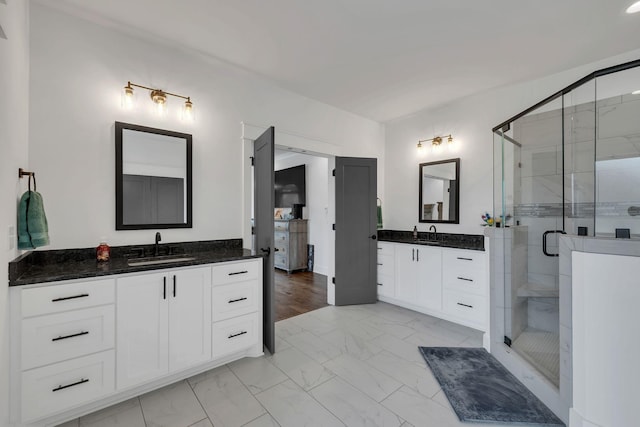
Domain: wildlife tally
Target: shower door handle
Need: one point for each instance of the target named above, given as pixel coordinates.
(544, 241)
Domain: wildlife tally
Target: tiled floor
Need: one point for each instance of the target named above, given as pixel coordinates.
(336, 366)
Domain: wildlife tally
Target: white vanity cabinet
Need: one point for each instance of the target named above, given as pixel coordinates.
(386, 269)
(81, 345)
(164, 323)
(444, 282)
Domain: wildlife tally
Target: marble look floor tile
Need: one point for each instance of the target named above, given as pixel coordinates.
(206, 374)
(286, 328)
(352, 344)
(293, 407)
(418, 377)
(426, 339)
(265, 420)
(202, 423)
(226, 400)
(420, 410)
(257, 373)
(406, 424)
(353, 407)
(171, 406)
(406, 350)
(72, 423)
(362, 376)
(314, 346)
(303, 370)
(361, 328)
(125, 414)
(394, 313)
(310, 323)
(388, 326)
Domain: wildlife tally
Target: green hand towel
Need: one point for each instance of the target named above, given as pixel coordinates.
(33, 230)
(379, 216)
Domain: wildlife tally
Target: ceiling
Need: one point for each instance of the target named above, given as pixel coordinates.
(384, 59)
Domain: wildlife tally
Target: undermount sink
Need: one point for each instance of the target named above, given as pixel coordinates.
(166, 259)
(428, 242)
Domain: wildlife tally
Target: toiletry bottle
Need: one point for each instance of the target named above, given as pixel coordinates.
(103, 252)
(415, 232)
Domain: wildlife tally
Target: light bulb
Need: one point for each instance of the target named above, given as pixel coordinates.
(420, 148)
(188, 113)
(634, 8)
(636, 92)
(127, 97)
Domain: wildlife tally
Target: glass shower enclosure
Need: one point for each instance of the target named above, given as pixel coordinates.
(568, 165)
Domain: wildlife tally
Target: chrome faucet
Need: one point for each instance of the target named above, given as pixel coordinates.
(156, 249)
(435, 232)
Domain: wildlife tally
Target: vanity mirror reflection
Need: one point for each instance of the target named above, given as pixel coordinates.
(439, 193)
(153, 178)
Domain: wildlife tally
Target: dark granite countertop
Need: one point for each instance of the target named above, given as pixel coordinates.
(66, 264)
(474, 242)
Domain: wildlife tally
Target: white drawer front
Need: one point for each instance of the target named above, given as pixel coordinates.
(465, 280)
(385, 265)
(230, 336)
(55, 388)
(236, 272)
(468, 307)
(456, 259)
(67, 296)
(386, 286)
(235, 299)
(56, 337)
(386, 248)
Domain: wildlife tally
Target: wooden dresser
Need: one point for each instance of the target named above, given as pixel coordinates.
(291, 244)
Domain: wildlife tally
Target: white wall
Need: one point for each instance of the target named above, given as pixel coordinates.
(470, 121)
(76, 79)
(14, 109)
(317, 207)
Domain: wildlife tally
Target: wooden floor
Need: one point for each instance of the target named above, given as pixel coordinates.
(299, 292)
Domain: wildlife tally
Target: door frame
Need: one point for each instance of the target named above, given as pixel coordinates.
(299, 143)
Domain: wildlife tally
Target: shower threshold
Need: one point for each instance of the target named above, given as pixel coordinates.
(542, 350)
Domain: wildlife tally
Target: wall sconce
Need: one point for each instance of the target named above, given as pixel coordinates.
(159, 97)
(435, 142)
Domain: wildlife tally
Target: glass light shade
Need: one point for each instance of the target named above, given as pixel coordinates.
(636, 92)
(634, 8)
(450, 140)
(127, 99)
(188, 111)
(420, 148)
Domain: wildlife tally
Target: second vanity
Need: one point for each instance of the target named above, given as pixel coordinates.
(443, 275)
(87, 335)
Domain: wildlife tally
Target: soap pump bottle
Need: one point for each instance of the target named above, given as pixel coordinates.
(103, 251)
(415, 232)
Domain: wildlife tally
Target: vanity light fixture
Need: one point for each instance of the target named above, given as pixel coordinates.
(159, 97)
(636, 92)
(634, 8)
(435, 141)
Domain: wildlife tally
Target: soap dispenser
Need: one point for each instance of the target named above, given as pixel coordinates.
(415, 232)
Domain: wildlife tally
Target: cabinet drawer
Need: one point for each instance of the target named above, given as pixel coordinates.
(465, 280)
(67, 296)
(386, 286)
(281, 260)
(281, 225)
(236, 272)
(385, 265)
(456, 259)
(56, 337)
(468, 307)
(235, 299)
(239, 333)
(386, 249)
(57, 387)
(281, 236)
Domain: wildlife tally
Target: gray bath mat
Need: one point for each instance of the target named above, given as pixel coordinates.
(481, 390)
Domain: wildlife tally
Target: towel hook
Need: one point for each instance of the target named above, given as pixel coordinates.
(23, 173)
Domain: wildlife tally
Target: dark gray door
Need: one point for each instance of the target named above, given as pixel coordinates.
(356, 232)
(263, 188)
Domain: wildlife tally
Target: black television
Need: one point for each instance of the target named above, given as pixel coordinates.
(290, 187)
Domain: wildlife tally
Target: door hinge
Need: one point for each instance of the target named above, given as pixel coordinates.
(333, 227)
(333, 173)
(253, 230)
(507, 340)
(252, 160)
(333, 280)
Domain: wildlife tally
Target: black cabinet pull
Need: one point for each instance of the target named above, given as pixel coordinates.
(70, 336)
(417, 254)
(465, 259)
(238, 272)
(164, 288)
(237, 300)
(237, 335)
(465, 279)
(67, 298)
(413, 254)
(379, 284)
(174, 285)
(379, 249)
(62, 387)
(464, 305)
(379, 263)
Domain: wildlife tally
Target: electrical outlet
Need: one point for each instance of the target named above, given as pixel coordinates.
(12, 237)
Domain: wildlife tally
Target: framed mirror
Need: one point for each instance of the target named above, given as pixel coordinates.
(439, 198)
(153, 178)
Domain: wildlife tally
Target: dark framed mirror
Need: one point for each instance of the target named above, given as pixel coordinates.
(153, 178)
(439, 194)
